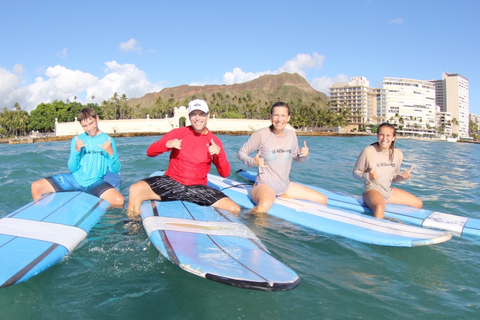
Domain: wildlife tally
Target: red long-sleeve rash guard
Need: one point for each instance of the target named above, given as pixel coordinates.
(191, 163)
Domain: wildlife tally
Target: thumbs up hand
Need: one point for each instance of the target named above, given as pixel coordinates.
(304, 152)
(260, 162)
(213, 149)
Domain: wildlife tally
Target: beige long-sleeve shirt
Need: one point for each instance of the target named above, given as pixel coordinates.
(278, 152)
(373, 159)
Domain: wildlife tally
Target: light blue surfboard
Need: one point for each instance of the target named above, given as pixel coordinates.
(346, 223)
(215, 245)
(454, 224)
(43, 232)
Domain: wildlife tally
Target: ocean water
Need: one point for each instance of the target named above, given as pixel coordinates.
(117, 274)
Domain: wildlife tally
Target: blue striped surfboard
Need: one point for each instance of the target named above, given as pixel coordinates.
(343, 222)
(457, 225)
(41, 233)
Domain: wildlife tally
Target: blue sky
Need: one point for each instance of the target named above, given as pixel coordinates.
(56, 50)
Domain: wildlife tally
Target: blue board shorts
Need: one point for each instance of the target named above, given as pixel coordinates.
(171, 190)
(66, 182)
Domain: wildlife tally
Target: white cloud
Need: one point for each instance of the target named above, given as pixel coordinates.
(18, 68)
(324, 83)
(396, 21)
(122, 78)
(9, 83)
(239, 76)
(61, 83)
(63, 54)
(300, 64)
(130, 45)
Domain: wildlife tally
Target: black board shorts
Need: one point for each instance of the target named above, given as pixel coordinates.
(171, 190)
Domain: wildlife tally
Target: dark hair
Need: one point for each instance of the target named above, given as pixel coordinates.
(392, 146)
(86, 114)
(278, 104)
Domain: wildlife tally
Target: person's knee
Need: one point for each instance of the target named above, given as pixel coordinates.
(38, 188)
(264, 206)
(117, 201)
(379, 211)
(235, 208)
(323, 199)
(36, 185)
(418, 204)
(135, 189)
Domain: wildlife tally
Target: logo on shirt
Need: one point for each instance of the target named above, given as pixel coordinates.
(281, 151)
(384, 164)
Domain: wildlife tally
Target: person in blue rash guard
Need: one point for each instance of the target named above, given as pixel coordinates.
(92, 154)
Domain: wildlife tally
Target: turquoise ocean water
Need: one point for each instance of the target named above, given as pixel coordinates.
(117, 274)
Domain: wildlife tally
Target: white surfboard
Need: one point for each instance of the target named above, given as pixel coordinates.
(215, 245)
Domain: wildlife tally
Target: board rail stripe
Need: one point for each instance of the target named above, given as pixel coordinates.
(255, 241)
(20, 274)
(270, 284)
(47, 195)
(94, 207)
(170, 251)
(66, 236)
(215, 228)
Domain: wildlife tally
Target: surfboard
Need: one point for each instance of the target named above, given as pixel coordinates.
(346, 223)
(457, 225)
(215, 245)
(41, 233)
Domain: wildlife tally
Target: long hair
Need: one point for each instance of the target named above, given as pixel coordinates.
(392, 146)
(278, 104)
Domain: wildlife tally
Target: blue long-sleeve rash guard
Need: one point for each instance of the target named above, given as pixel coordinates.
(92, 162)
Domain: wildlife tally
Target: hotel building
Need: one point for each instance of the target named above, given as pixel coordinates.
(410, 104)
(452, 96)
(357, 98)
(415, 107)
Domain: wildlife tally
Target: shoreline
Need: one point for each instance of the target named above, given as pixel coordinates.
(28, 140)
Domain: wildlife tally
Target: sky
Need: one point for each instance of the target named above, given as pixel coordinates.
(88, 50)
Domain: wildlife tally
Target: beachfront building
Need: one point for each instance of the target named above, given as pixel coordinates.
(444, 123)
(381, 103)
(357, 98)
(410, 105)
(452, 96)
(474, 123)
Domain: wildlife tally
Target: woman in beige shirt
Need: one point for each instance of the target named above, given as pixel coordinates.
(379, 165)
(276, 148)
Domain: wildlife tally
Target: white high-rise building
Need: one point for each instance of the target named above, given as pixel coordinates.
(411, 105)
(357, 98)
(452, 96)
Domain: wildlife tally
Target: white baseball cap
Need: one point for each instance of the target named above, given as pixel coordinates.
(197, 104)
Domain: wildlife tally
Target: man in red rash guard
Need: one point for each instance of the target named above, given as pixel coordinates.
(192, 151)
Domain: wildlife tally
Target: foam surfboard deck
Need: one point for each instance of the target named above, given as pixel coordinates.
(41, 233)
(215, 245)
(345, 223)
(454, 224)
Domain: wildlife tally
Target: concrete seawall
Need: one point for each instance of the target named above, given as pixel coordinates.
(159, 126)
(180, 118)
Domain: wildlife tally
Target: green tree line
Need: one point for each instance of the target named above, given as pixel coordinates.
(17, 122)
